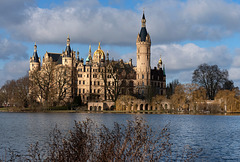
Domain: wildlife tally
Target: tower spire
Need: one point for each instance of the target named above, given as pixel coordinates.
(35, 55)
(89, 58)
(68, 48)
(90, 51)
(143, 20)
(143, 32)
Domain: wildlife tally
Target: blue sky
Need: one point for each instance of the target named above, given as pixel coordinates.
(186, 33)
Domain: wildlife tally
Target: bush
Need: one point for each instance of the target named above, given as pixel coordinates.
(135, 141)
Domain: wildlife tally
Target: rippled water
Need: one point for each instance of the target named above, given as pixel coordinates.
(218, 136)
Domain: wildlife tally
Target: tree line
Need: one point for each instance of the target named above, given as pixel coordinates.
(210, 90)
(209, 82)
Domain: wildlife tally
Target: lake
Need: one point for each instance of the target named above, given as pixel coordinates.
(218, 136)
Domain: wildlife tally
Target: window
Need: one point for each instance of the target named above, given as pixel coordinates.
(109, 83)
(142, 83)
(83, 82)
(98, 83)
(80, 75)
(79, 81)
(94, 83)
(83, 90)
(94, 91)
(142, 76)
(79, 91)
(87, 75)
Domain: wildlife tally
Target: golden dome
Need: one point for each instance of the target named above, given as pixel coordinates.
(98, 54)
(160, 61)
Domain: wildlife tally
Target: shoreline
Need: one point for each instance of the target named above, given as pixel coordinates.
(17, 110)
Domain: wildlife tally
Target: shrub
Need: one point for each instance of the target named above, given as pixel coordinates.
(135, 141)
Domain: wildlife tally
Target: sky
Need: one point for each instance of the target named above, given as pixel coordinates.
(185, 33)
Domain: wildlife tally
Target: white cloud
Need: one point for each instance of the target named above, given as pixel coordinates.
(90, 22)
(189, 56)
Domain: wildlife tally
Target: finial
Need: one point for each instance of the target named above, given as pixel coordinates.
(90, 49)
(68, 41)
(143, 20)
(143, 17)
(35, 47)
(160, 60)
(99, 47)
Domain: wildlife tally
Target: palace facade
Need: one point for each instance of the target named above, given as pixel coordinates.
(98, 78)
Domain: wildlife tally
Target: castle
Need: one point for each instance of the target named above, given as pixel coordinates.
(98, 79)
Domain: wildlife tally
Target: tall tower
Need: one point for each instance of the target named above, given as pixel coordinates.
(143, 44)
(35, 60)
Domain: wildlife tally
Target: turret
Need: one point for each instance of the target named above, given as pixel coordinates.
(68, 54)
(35, 60)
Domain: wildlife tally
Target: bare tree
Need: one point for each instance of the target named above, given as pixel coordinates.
(230, 100)
(51, 84)
(62, 82)
(171, 87)
(179, 98)
(21, 92)
(15, 92)
(210, 77)
(118, 79)
(8, 92)
(41, 83)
